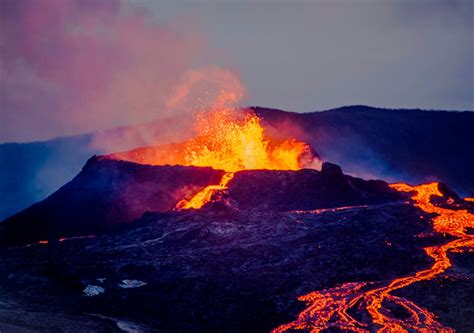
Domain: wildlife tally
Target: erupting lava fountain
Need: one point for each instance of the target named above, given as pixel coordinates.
(229, 140)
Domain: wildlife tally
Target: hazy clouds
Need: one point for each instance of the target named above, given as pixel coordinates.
(74, 66)
(313, 55)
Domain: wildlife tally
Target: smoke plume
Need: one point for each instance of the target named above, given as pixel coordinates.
(70, 66)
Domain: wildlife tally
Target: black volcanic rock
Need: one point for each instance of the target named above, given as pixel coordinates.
(237, 265)
(104, 195)
(226, 271)
(331, 170)
(108, 193)
(447, 191)
(305, 189)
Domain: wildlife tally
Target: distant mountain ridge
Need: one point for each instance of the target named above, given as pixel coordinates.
(394, 145)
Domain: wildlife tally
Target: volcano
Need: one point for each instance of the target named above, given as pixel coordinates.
(237, 230)
(369, 142)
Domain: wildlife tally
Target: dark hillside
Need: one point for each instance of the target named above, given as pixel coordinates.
(395, 145)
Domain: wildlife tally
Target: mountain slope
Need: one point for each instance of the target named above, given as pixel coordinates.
(108, 194)
(104, 195)
(29, 172)
(395, 145)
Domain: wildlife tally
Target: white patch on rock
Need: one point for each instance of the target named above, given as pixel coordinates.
(131, 284)
(91, 290)
(222, 229)
(129, 327)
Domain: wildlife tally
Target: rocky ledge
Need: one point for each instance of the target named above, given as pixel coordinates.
(108, 194)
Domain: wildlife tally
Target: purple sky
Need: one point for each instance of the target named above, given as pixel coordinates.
(70, 66)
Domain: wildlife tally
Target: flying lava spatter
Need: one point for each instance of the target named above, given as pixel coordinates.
(233, 141)
(333, 308)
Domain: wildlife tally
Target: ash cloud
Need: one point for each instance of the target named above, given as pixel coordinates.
(70, 66)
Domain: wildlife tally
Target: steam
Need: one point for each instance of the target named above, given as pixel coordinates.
(210, 87)
(71, 66)
(198, 90)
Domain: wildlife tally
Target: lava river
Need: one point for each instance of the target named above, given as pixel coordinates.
(361, 306)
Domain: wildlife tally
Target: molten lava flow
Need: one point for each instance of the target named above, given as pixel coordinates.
(234, 141)
(330, 308)
(206, 194)
(469, 199)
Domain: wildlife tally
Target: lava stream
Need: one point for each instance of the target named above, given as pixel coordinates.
(332, 308)
(205, 196)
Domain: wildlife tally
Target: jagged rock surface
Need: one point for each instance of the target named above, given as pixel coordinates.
(104, 195)
(305, 189)
(227, 271)
(108, 193)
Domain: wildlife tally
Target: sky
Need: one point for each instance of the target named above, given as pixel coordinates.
(73, 66)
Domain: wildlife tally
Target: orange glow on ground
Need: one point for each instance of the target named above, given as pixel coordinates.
(330, 308)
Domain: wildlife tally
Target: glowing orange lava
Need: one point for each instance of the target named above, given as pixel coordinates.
(60, 240)
(330, 308)
(233, 141)
(227, 139)
(204, 196)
